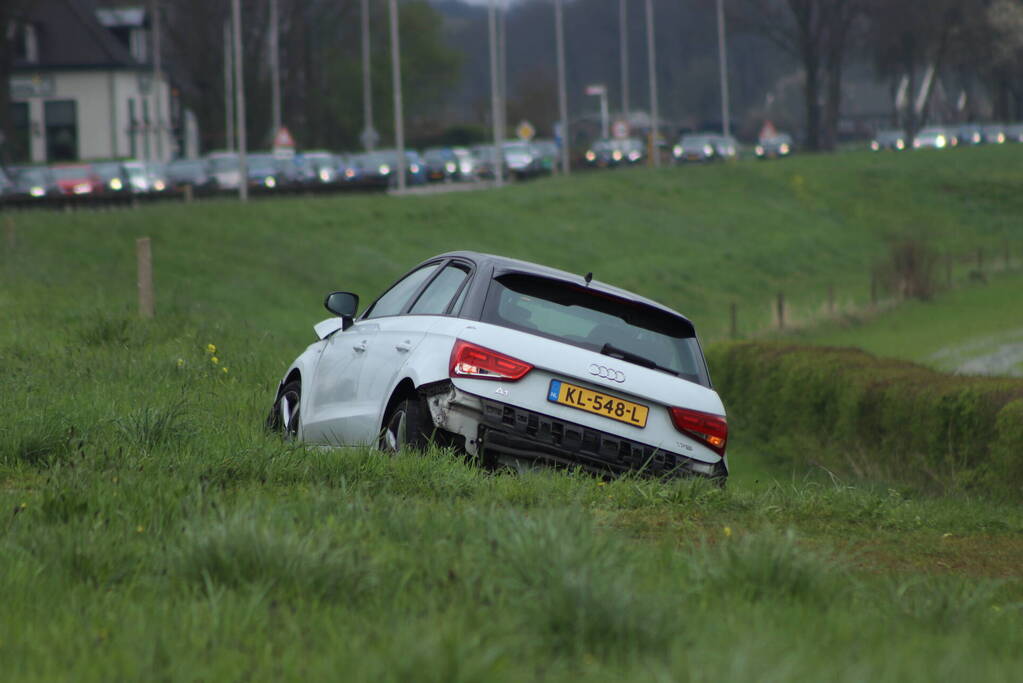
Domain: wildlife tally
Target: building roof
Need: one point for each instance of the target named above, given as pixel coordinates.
(71, 36)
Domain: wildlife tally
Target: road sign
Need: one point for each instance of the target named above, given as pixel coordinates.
(525, 131)
(283, 139)
(595, 90)
(620, 129)
(369, 138)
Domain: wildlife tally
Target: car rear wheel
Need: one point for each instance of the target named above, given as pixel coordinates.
(408, 425)
(285, 414)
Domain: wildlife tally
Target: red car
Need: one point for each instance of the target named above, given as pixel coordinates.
(77, 179)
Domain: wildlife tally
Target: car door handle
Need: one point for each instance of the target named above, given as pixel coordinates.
(404, 346)
(360, 347)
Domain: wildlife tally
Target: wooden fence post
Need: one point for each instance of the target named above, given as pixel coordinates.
(144, 257)
(735, 321)
(781, 310)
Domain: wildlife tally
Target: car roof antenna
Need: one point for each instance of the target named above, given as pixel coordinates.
(588, 278)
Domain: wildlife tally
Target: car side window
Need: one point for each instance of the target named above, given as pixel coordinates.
(393, 301)
(435, 299)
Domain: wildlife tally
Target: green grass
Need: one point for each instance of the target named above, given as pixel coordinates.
(150, 529)
(975, 328)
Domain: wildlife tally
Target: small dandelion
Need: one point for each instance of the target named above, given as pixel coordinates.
(946, 535)
(224, 370)
(211, 348)
(214, 360)
(24, 505)
(996, 608)
(601, 483)
(728, 532)
(181, 362)
(139, 529)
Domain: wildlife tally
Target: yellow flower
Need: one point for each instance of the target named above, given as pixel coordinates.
(139, 529)
(224, 370)
(601, 483)
(210, 348)
(24, 505)
(946, 535)
(728, 531)
(181, 362)
(214, 360)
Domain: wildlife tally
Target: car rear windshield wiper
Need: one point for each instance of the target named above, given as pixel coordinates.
(628, 356)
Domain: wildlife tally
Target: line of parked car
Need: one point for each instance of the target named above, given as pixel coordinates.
(700, 147)
(268, 172)
(942, 137)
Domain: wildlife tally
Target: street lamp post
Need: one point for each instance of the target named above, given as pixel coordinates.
(652, 65)
(369, 136)
(559, 32)
(275, 67)
(623, 53)
(228, 88)
(601, 92)
(726, 123)
(495, 98)
(239, 84)
(399, 119)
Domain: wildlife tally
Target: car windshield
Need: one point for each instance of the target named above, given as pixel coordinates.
(595, 320)
(262, 164)
(696, 140)
(72, 172)
(186, 169)
(33, 176)
(108, 171)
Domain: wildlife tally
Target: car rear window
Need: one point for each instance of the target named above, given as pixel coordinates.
(594, 320)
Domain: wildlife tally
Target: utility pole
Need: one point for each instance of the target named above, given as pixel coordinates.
(559, 35)
(228, 88)
(495, 99)
(652, 65)
(623, 50)
(239, 84)
(399, 121)
(502, 65)
(275, 67)
(157, 73)
(726, 123)
(369, 134)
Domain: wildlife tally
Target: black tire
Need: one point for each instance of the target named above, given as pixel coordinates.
(285, 416)
(407, 425)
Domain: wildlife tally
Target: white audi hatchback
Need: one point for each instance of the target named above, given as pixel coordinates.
(508, 360)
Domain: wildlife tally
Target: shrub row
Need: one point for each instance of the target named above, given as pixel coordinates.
(845, 408)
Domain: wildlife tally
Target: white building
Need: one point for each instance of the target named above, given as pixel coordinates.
(82, 86)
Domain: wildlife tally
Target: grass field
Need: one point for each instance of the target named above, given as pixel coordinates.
(975, 329)
(150, 529)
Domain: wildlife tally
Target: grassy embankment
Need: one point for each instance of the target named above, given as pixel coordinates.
(153, 530)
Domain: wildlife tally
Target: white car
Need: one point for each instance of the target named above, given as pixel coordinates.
(508, 360)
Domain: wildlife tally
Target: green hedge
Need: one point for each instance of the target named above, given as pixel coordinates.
(848, 409)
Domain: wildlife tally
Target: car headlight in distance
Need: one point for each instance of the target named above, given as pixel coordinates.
(159, 186)
(325, 175)
(875, 145)
(116, 184)
(1001, 138)
(759, 150)
(634, 156)
(349, 173)
(37, 191)
(784, 149)
(616, 155)
(590, 156)
(414, 168)
(916, 144)
(677, 150)
(270, 181)
(900, 144)
(384, 169)
(82, 188)
(708, 150)
(940, 141)
(450, 167)
(466, 167)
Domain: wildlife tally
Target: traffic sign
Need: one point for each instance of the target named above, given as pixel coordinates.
(595, 90)
(768, 131)
(283, 139)
(525, 131)
(620, 129)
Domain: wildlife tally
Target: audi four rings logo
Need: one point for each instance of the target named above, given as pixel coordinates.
(607, 373)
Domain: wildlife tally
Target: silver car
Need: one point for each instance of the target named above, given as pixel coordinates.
(508, 360)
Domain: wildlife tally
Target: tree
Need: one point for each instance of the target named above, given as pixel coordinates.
(817, 33)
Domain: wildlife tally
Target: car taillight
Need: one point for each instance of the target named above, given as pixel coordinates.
(479, 362)
(712, 430)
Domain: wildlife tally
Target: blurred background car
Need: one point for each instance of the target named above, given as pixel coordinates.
(113, 177)
(33, 182)
(520, 159)
(265, 172)
(137, 175)
(441, 165)
(933, 137)
(318, 168)
(76, 179)
(602, 154)
(775, 147)
(156, 172)
(697, 147)
(969, 134)
(1014, 132)
(993, 133)
(466, 163)
(547, 151)
(726, 147)
(889, 139)
(225, 170)
(486, 162)
(633, 150)
(194, 172)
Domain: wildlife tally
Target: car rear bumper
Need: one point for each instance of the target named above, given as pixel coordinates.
(498, 432)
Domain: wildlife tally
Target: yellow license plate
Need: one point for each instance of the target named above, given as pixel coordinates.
(598, 403)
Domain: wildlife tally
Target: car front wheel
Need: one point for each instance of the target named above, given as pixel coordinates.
(285, 415)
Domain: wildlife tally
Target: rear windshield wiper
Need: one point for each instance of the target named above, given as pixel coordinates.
(628, 356)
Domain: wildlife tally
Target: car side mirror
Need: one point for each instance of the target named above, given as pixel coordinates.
(343, 304)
